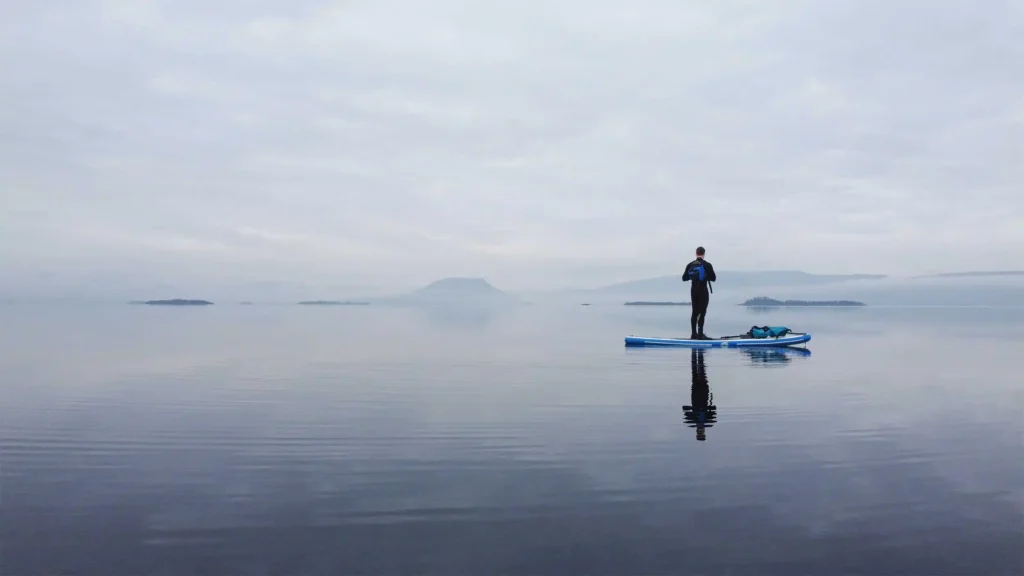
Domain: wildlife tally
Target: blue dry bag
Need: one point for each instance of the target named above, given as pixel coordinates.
(768, 331)
(697, 272)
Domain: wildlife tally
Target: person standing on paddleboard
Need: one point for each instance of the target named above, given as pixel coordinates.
(699, 273)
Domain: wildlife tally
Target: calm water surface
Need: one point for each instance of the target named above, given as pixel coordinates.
(289, 440)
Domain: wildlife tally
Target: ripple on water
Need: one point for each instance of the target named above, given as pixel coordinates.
(857, 458)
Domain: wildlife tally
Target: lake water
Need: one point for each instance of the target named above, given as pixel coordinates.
(363, 440)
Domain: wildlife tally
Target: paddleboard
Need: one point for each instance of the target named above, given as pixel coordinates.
(787, 340)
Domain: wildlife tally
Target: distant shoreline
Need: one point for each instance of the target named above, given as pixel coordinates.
(642, 303)
(175, 302)
(764, 302)
(331, 303)
(976, 274)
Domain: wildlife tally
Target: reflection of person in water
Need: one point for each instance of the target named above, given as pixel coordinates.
(701, 413)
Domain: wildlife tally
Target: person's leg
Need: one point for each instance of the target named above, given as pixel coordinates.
(701, 310)
(694, 313)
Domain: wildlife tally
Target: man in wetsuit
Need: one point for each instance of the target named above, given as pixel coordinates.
(699, 273)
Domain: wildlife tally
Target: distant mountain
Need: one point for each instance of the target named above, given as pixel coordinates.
(734, 279)
(455, 291)
(946, 291)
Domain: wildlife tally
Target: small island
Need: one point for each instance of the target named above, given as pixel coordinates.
(176, 302)
(331, 303)
(642, 303)
(764, 302)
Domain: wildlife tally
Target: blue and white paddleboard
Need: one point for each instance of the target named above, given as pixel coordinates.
(717, 343)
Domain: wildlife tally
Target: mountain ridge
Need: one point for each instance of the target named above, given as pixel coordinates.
(973, 274)
(737, 279)
(453, 290)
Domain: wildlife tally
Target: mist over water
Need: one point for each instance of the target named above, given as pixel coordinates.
(525, 439)
(513, 160)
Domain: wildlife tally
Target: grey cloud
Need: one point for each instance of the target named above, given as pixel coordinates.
(532, 143)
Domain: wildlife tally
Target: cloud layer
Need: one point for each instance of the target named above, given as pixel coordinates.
(538, 144)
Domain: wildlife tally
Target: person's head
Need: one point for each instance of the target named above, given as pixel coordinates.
(700, 251)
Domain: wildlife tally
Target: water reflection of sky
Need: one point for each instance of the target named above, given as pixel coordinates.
(376, 446)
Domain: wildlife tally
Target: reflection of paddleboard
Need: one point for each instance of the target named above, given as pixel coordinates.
(775, 355)
(787, 340)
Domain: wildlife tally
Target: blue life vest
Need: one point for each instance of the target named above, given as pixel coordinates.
(768, 331)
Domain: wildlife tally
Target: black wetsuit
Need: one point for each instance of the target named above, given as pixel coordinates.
(699, 295)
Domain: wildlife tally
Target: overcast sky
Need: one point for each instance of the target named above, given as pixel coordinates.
(535, 143)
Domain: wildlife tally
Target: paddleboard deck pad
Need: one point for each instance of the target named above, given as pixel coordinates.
(787, 340)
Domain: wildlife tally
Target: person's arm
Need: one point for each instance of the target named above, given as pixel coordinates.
(710, 272)
(686, 273)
